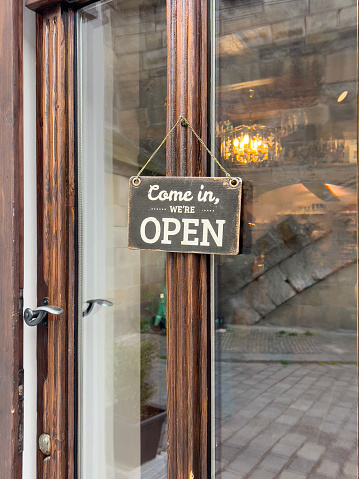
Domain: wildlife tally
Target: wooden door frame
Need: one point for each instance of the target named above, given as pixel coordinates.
(188, 365)
(55, 160)
(188, 382)
(11, 240)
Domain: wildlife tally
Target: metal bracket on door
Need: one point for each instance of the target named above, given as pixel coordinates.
(33, 317)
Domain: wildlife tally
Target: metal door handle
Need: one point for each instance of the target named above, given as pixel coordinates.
(91, 305)
(33, 317)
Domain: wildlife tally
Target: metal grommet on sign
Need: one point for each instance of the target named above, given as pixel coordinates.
(234, 182)
(136, 181)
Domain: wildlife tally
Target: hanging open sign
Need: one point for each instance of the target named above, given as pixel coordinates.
(184, 214)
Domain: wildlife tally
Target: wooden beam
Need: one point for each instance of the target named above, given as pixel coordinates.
(187, 274)
(11, 239)
(40, 5)
(37, 5)
(56, 239)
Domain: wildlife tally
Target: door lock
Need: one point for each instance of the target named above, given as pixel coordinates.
(33, 317)
(91, 305)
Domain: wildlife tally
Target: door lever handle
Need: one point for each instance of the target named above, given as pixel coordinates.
(91, 305)
(33, 317)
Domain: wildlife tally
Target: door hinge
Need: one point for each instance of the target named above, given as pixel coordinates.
(21, 300)
(20, 440)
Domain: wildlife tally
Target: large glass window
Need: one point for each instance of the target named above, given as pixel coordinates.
(122, 60)
(286, 311)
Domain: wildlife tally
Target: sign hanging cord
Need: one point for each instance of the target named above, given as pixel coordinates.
(184, 122)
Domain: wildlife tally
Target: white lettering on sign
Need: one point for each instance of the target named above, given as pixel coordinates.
(167, 232)
(173, 195)
(181, 209)
(174, 209)
(143, 230)
(207, 195)
(189, 231)
(207, 227)
(172, 227)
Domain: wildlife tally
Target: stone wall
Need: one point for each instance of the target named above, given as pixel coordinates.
(287, 261)
(134, 42)
(140, 47)
(298, 56)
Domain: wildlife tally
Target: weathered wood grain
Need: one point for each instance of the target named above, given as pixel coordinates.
(11, 236)
(56, 241)
(187, 274)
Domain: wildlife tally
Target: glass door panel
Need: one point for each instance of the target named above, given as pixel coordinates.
(286, 309)
(122, 59)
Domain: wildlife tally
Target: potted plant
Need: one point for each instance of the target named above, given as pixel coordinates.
(126, 364)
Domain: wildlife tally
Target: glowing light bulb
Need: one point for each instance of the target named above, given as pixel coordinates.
(342, 96)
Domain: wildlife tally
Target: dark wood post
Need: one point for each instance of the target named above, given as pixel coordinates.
(187, 274)
(56, 238)
(11, 239)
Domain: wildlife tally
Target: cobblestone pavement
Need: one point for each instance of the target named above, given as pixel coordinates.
(272, 343)
(295, 421)
(286, 404)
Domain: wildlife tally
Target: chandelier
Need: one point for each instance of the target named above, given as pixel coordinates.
(251, 143)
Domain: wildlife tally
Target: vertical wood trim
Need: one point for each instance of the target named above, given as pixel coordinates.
(71, 257)
(11, 236)
(42, 66)
(56, 226)
(187, 274)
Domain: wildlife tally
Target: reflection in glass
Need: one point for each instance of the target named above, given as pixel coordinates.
(285, 328)
(122, 339)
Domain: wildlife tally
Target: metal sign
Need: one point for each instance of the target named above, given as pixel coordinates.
(184, 214)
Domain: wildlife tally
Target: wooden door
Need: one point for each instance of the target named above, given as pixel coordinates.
(188, 382)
